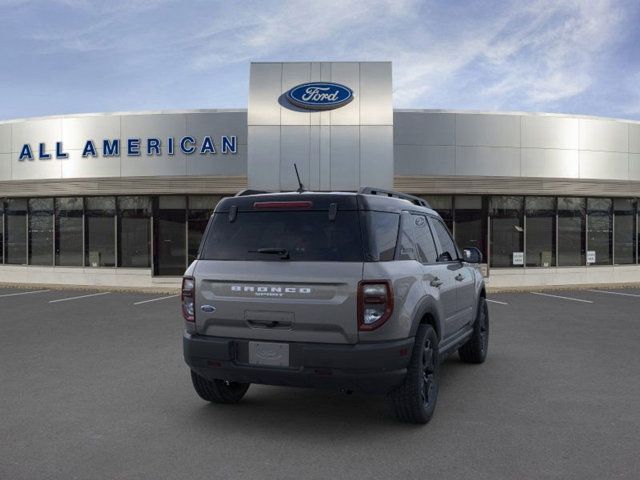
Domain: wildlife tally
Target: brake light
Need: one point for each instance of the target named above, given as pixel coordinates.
(293, 204)
(188, 299)
(375, 303)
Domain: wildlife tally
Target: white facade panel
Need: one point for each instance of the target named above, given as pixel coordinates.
(376, 96)
(263, 154)
(634, 167)
(424, 160)
(347, 73)
(34, 132)
(264, 94)
(422, 128)
(5, 166)
(325, 157)
(294, 74)
(541, 131)
(488, 161)
(549, 162)
(220, 163)
(36, 169)
(294, 146)
(604, 135)
(5, 138)
(217, 124)
(77, 130)
(345, 157)
(487, 130)
(634, 138)
(376, 146)
(604, 165)
(77, 166)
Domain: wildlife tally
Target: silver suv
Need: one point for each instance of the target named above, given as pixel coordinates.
(358, 291)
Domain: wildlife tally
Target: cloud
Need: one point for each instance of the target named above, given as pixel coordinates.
(540, 55)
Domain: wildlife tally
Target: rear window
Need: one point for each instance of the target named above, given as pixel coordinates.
(307, 236)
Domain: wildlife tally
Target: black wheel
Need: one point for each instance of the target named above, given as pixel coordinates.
(475, 350)
(218, 391)
(415, 400)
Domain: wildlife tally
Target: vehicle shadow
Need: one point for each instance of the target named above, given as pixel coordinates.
(318, 413)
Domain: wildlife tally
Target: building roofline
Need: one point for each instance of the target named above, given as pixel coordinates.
(515, 113)
(244, 110)
(128, 113)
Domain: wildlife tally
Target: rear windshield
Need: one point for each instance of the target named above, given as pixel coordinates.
(305, 236)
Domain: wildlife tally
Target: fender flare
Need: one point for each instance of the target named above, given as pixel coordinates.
(428, 306)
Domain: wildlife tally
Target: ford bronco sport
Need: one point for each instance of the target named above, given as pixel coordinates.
(358, 291)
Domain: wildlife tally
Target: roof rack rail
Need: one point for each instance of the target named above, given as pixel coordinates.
(249, 191)
(392, 193)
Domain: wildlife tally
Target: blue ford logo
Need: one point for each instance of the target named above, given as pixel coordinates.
(320, 95)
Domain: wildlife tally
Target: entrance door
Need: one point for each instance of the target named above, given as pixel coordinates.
(170, 240)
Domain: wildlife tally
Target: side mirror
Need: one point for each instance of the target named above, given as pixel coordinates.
(472, 255)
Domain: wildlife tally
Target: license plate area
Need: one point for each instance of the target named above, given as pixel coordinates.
(269, 353)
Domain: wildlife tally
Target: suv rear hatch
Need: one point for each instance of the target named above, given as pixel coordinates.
(284, 268)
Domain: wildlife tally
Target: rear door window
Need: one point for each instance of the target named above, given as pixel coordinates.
(305, 235)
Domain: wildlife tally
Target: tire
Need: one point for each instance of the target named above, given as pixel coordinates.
(218, 391)
(475, 350)
(415, 400)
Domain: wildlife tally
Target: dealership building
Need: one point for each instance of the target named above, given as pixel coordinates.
(123, 198)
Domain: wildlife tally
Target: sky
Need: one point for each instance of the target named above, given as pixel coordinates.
(80, 56)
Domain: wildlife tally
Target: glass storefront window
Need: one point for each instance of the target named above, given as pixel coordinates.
(170, 252)
(571, 231)
(624, 210)
(68, 237)
(443, 204)
(507, 231)
(134, 227)
(16, 231)
(600, 228)
(200, 209)
(470, 219)
(540, 231)
(100, 231)
(41, 231)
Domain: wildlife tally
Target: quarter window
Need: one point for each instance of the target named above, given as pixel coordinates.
(425, 244)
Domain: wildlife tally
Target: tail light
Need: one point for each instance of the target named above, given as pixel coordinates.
(188, 299)
(375, 303)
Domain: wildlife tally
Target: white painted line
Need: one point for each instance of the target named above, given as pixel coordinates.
(496, 301)
(559, 296)
(23, 293)
(156, 299)
(78, 298)
(615, 293)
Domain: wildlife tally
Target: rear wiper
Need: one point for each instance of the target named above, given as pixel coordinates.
(283, 252)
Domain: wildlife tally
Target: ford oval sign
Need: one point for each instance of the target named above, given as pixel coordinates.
(320, 95)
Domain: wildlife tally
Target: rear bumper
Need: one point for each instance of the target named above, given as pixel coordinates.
(367, 367)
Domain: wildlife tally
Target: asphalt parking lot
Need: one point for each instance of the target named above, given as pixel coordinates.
(95, 387)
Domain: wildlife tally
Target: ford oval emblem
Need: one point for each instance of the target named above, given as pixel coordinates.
(320, 95)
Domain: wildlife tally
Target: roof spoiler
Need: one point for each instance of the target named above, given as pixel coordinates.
(392, 193)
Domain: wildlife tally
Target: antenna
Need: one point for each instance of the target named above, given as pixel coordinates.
(300, 185)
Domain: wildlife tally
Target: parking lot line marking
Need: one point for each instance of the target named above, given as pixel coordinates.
(563, 298)
(78, 298)
(496, 301)
(156, 299)
(615, 293)
(22, 293)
